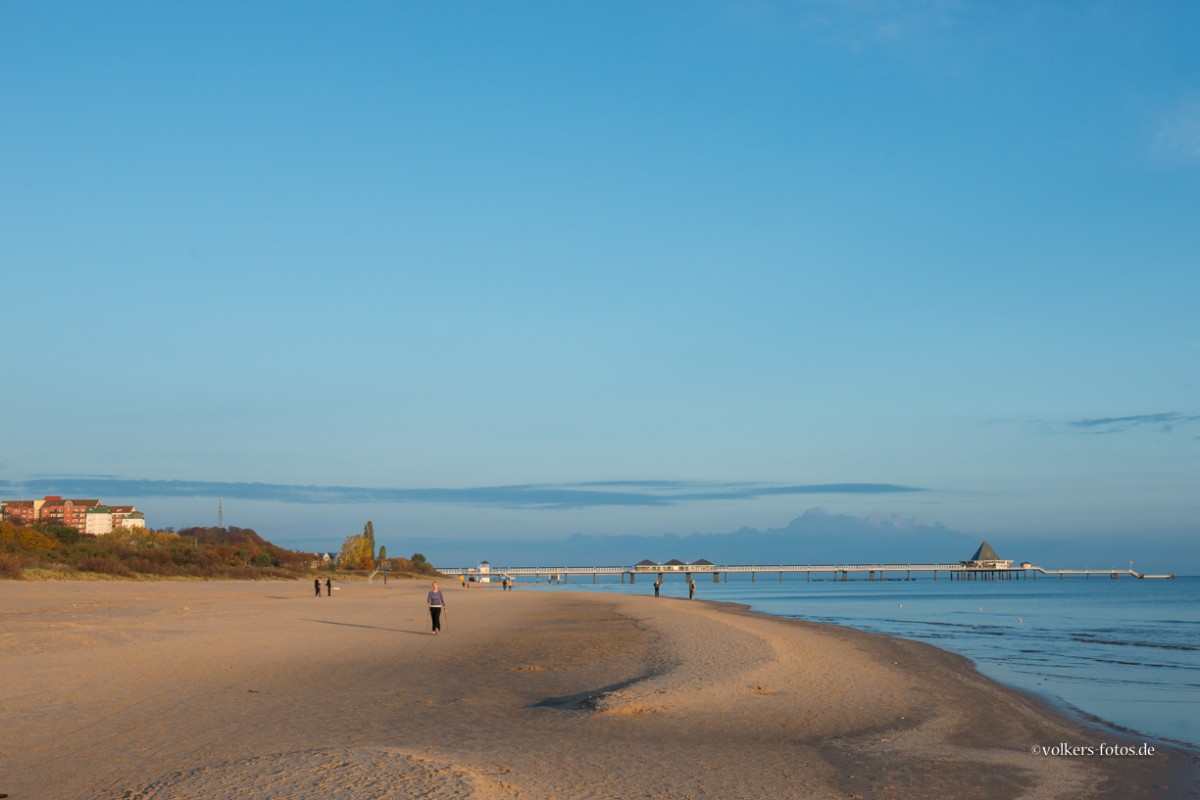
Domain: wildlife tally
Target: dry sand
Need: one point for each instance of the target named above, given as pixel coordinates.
(182, 691)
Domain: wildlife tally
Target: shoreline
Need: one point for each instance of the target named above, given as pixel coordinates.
(1054, 705)
(1179, 778)
(1134, 684)
(142, 691)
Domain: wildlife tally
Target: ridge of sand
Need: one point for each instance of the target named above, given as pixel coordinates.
(122, 691)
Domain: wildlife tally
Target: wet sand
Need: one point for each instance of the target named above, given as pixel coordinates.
(150, 691)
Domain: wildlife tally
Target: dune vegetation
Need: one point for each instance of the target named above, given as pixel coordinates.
(57, 551)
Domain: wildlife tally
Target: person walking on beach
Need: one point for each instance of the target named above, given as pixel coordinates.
(436, 604)
(657, 584)
(328, 588)
(691, 590)
(317, 586)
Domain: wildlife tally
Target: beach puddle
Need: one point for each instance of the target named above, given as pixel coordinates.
(357, 773)
(593, 700)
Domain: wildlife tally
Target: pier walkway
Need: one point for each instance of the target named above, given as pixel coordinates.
(838, 572)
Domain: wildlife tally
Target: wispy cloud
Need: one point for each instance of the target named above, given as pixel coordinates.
(526, 496)
(1164, 421)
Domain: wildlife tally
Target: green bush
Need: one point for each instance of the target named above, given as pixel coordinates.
(64, 533)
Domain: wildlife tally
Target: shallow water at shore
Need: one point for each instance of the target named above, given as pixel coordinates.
(1124, 651)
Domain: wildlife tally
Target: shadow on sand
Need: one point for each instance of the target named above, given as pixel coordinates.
(368, 627)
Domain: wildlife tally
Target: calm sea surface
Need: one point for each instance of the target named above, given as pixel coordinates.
(1126, 651)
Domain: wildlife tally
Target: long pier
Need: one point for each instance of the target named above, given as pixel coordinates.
(839, 572)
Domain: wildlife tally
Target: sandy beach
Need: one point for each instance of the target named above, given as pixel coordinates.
(150, 691)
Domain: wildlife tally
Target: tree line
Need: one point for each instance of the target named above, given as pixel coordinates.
(359, 553)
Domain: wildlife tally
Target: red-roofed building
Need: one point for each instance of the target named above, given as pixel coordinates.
(55, 510)
(22, 512)
(73, 513)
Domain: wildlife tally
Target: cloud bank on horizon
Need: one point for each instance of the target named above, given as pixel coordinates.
(524, 496)
(817, 537)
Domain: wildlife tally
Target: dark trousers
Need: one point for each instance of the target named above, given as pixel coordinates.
(435, 613)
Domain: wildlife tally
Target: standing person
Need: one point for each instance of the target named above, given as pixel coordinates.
(436, 604)
(328, 588)
(691, 590)
(657, 584)
(317, 586)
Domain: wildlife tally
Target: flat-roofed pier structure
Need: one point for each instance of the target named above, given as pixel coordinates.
(985, 565)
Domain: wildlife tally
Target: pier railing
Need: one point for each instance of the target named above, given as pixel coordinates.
(957, 571)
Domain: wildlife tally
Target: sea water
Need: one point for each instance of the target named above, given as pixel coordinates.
(1124, 651)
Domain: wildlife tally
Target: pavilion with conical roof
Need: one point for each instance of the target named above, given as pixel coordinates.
(986, 558)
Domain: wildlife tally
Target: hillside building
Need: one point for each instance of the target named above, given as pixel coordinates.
(87, 515)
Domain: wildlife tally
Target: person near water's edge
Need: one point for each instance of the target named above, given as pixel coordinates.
(657, 584)
(436, 603)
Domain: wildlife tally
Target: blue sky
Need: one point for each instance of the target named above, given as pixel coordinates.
(433, 252)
